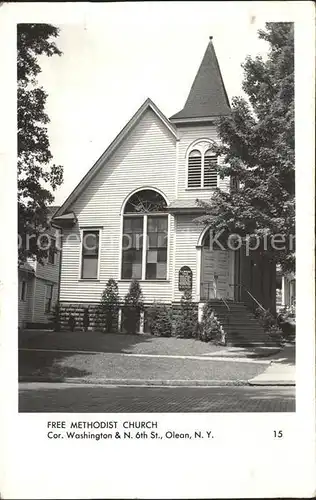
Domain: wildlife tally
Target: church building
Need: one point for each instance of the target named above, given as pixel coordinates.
(133, 215)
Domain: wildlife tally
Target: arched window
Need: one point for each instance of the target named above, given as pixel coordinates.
(145, 237)
(202, 162)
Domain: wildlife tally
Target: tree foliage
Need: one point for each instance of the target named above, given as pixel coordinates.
(160, 320)
(210, 329)
(186, 325)
(37, 176)
(108, 309)
(257, 149)
(133, 306)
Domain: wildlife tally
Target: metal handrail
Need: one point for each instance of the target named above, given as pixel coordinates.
(221, 298)
(250, 294)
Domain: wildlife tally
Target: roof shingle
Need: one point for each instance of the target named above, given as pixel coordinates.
(207, 97)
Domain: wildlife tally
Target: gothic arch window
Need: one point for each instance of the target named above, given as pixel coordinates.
(202, 166)
(145, 237)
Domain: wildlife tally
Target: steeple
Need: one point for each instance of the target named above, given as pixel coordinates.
(207, 97)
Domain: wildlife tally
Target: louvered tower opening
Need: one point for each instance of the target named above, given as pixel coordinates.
(194, 169)
(210, 171)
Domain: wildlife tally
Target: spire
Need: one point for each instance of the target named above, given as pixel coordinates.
(207, 97)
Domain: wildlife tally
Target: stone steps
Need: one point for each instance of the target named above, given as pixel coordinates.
(241, 326)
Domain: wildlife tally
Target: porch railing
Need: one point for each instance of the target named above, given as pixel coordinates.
(256, 301)
(205, 294)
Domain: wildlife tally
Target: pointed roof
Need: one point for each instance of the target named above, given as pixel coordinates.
(62, 212)
(207, 97)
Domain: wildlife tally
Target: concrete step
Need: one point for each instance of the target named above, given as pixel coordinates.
(240, 324)
(240, 321)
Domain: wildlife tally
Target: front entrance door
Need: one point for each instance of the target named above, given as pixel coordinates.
(216, 274)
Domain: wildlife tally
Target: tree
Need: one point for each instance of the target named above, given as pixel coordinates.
(133, 306)
(187, 320)
(36, 175)
(108, 309)
(257, 148)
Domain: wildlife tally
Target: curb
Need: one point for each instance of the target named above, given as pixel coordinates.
(154, 383)
(266, 383)
(135, 382)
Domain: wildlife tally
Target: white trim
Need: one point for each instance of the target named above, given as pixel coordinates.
(231, 275)
(82, 230)
(47, 284)
(34, 295)
(143, 188)
(144, 253)
(196, 142)
(196, 145)
(211, 119)
(202, 170)
(198, 272)
(177, 170)
(120, 263)
(168, 248)
(145, 235)
(173, 291)
(202, 234)
(141, 322)
(200, 311)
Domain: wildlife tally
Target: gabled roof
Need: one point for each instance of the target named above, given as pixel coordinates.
(148, 104)
(207, 97)
(52, 209)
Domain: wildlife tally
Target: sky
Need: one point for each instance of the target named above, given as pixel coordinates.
(134, 51)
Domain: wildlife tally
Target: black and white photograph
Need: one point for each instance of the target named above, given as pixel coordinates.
(167, 274)
(157, 246)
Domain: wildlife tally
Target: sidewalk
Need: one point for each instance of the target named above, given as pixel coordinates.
(276, 374)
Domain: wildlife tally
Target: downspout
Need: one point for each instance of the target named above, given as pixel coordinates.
(60, 259)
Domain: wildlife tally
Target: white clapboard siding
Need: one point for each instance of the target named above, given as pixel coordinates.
(187, 235)
(25, 306)
(38, 314)
(146, 159)
(47, 270)
(189, 135)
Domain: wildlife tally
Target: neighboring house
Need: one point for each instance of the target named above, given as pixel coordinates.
(286, 289)
(38, 286)
(145, 186)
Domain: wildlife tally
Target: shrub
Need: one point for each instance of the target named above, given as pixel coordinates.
(210, 329)
(160, 322)
(56, 317)
(187, 320)
(133, 306)
(108, 310)
(270, 325)
(86, 319)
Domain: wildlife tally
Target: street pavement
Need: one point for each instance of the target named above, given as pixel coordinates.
(51, 397)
